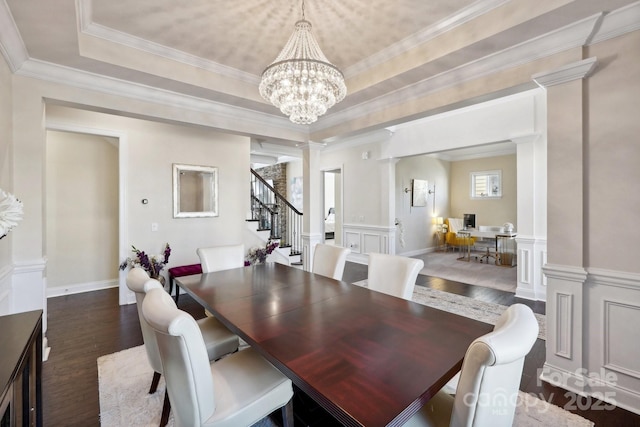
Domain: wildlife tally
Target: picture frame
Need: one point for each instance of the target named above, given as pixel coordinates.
(195, 191)
(419, 192)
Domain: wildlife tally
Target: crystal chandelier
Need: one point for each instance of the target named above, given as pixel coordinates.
(301, 82)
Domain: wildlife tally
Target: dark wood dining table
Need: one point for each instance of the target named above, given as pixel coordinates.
(368, 358)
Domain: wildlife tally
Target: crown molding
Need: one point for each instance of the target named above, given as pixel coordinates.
(11, 43)
(575, 71)
(465, 15)
(619, 22)
(99, 83)
(568, 37)
(87, 27)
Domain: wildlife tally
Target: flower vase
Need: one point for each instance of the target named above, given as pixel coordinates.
(160, 278)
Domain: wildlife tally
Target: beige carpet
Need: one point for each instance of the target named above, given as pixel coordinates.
(447, 266)
(123, 382)
(124, 379)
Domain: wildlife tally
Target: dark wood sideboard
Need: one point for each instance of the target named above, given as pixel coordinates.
(21, 369)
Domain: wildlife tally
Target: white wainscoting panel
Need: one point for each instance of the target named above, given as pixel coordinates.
(564, 324)
(613, 327)
(363, 239)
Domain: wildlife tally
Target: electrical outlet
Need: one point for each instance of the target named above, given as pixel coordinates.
(154, 226)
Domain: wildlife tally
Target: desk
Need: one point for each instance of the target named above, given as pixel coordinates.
(505, 252)
(366, 357)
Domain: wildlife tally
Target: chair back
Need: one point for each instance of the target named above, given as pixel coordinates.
(218, 258)
(184, 357)
(393, 274)
(329, 260)
(139, 281)
(492, 370)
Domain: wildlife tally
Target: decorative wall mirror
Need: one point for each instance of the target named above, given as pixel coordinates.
(195, 191)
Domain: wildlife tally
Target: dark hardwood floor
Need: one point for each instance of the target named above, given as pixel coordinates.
(83, 327)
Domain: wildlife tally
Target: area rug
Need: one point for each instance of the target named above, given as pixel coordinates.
(487, 312)
(123, 383)
(124, 380)
(447, 266)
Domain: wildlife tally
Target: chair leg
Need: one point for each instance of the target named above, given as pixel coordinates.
(287, 414)
(177, 293)
(166, 408)
(154, 383)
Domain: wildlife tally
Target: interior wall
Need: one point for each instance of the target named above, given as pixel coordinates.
(488, 211)
(613, 153)
(416, 229)
(6, 182)
(152, 149)
(360, 207)
(81, 210)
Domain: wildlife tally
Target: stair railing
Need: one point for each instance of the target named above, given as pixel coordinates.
(273, 211)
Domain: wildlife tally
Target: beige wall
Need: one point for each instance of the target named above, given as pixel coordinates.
(612, 220)
(151, 149)
(81, 209)
(6, 182)
(488, 211)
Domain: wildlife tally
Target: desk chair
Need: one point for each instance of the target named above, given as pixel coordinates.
(218, 339)
(487, 391)
(238, 390)
(329, 260)
(393, 274)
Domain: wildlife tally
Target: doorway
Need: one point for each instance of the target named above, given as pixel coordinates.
(90, 183)
(332, 207)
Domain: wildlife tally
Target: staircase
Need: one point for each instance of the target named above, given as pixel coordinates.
(273, 218)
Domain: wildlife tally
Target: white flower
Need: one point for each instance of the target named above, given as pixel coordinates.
(10, 212)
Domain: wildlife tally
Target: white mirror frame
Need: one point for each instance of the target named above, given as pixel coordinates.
(204, 192)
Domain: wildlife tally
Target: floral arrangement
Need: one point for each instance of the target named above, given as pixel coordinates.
(258, 254)
(152, 264)
(10, 212)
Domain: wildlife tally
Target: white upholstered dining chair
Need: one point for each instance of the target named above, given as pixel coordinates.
(237, 390)
(217, 338)
(218, 258)
(225, 257)
(329, 260)
(487, 390)
(393, 274)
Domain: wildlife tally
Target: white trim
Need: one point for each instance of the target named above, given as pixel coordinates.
(565, 272)
(11, 44)
(567, 73)
(88, 27)
(467, 14)
(81, 288)
(125, 295)
(73, 77)
(619, 22)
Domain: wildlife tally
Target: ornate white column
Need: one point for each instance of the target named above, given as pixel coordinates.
(565, 271)
(312, 202)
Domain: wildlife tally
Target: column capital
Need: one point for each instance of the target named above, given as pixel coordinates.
(567, 73)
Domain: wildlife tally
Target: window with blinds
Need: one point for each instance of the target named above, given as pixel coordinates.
(486, 185)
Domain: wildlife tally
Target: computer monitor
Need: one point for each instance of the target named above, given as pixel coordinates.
(469, 221)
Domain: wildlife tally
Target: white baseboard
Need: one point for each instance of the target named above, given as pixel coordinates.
(81, 287)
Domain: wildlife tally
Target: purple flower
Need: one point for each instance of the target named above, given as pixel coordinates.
(153, 264)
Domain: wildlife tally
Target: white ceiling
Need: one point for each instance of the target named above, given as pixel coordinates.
(215, 50)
